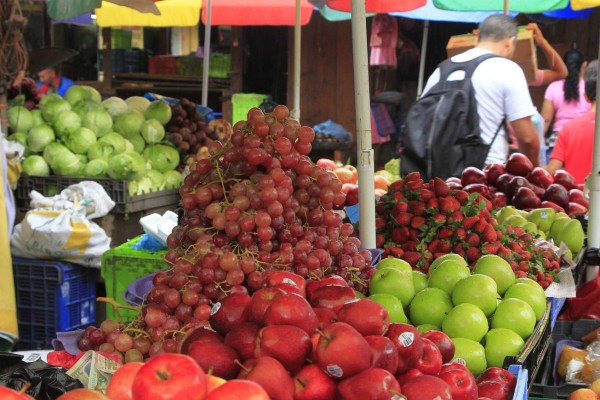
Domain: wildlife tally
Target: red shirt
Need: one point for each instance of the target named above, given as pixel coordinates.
(575, 146)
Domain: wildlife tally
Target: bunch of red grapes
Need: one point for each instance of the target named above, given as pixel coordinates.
(259, 203)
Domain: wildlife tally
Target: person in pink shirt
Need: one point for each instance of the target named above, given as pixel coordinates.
(575, 142)
(564, 99)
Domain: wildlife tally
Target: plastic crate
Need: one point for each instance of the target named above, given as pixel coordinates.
(220, 65)
(128, 61)
(117, 191)
(242, 102)
(190, 66)
(544, 386)
(123, 265)
(52, 296)
(522, 376)
(120, 39)
(162, 65)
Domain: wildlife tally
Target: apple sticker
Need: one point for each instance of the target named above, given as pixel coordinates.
(406, 338)
(335, 371)
(215, 308)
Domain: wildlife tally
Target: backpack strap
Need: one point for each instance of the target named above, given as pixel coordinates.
(448, 66)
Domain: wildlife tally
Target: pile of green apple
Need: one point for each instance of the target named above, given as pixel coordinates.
(547, 223)
(488, 312)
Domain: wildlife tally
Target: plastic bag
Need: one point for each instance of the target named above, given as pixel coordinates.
(60, 235)
(333, 129)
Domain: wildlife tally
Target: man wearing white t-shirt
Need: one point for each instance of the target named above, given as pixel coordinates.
(500, 90)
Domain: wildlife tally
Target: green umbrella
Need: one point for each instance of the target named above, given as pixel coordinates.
(522, 6)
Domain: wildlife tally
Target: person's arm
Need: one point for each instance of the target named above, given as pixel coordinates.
(558, 69)
(547, 113)
(554, 165)
(527, 137)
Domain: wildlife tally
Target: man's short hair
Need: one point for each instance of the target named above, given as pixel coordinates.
(590, 76)
(496, 28)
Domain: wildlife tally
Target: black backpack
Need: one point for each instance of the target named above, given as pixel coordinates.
(442, 135)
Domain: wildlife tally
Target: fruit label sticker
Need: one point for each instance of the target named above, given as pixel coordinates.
(544, 215)
(460, 361)
(335, 371)
(352, 300)
(289, 282)
(406, 338)
(397, 397)
(215, 308)
(437, 398)
(32, 357)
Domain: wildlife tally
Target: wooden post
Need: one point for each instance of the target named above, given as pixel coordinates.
(106, 58)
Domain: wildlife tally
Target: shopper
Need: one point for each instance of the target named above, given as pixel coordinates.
(575, 142)
(500, 88)
(51, 81)
(564, 99)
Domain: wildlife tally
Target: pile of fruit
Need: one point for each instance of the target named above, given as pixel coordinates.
(517, 183)
(82, 136)
(26, 94)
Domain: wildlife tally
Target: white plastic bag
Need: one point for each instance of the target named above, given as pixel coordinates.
(60, 235)
(90, 195)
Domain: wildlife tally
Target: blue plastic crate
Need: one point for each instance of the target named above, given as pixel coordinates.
(52, 296)
(522, 376)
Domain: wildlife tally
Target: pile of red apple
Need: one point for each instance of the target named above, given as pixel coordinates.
(420, 221)
(519, 184)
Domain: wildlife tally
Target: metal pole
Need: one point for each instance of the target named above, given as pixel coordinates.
(206, 63)
(366, 191)
(593, 181)
(295, 113)
(423, 57)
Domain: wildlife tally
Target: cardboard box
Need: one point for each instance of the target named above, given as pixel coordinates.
(525, 53)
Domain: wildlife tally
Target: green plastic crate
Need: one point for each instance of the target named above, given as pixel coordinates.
(220, 65)
(120, 39)
(123, 265)
(242, 102)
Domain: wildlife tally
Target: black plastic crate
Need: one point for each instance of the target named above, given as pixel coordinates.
(52, 296)
(544, 385)
(116, 190)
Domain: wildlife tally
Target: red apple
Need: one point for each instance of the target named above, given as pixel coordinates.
(443, 343)
(291, 309)
(333, 354)
(565, 179)
(576, 210)
(366, 316)
(261, 300)
(408, 343)
(313, 384)
(453, 366)
(200, 334)
(576, 196)
(352, 196)
(411, 373)
(554, 206)
(313, 285)
(472, 175)
(120, 384)
(276, 277)
(462, 383)
(503, 181)
(518, 164)
(76, 394)
(229, 312)
(557, 194)
(174, 376)
(331, 296)
(326, 317)
(347, 186)
(493, 171)
(538, 190)
(499, 200)
(525, 198)
(454, 185)
(383, 353)
(495, 390)
(344, 175)
(426, 387)
(482, 188)
(215, 357)
(271, 375)
(515, 183)
(430, 362)
(372, 383)
(7, 393)
(326, 164)
(239, 389)
(540, 177)
(453, 179)
(499, 374)
(242, 339)
(287, 344)
(213, 382)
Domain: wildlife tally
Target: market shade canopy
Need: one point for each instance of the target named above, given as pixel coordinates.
(256, 12)
(172, 13)
(63, 9)
(431, 13)
(378, 6)
(523, 6)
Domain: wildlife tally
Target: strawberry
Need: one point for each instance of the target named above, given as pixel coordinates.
(417, 222)
(438, 254)
(433, 245)
(526, 255)
(380, 223)
(445, 233)
(491, 248)
(448, 205)
(444, 246)
(399, 207)
(521, 274)
(416, 207)
(398, 196)
(473, 240)
(400, 235)
(397, 185)
(439, 219)
(489, 234)
(549, 278)
(411, 245)
(480, 226)
(403, 218)
(473, 254)
(396, 251)
(440, 188)
(461, 196)
(523, 266)
(493, 221)
(461, 233)
(412, 257)
(413, 176)
(469, 222)
(488, 204)
(427, 195)
(413, 234)
(485, 214)
(544, 284)
(513, 265)
(414, 186)
(457, 248)
(433, 205)
(540, 276)
(457, 216)
(515, 246)
(379, 241)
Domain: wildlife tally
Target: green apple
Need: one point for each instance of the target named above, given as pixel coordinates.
(542, 217)
(535, 297)
(359, 294)
(393, 306)
(516, 315)
(448, 256)
(391, 262)
(530, 227)
(506, 212)
(427, 327)
(557, 225)
(496, 268)
(501, 343)
(419, 281)
(471, 354)
(394, 281)
(515, 220)
(429, 306)
(572, 235)
(542, 234)
(447, 274)
(477, 289)
(466, 321)
(528, 281)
